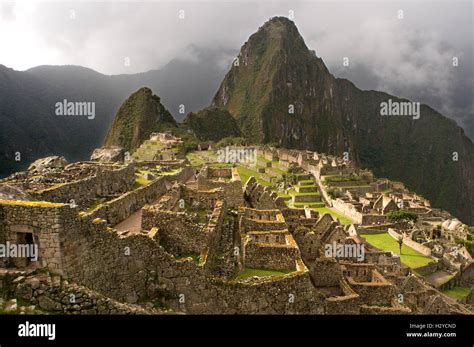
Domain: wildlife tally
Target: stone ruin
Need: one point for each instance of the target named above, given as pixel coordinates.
(195, 236)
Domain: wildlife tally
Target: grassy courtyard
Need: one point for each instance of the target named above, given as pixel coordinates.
(457, 293)
(344, 220)
(409, 256)
(245, 173)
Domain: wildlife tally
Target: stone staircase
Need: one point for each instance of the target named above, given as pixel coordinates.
(306, 193)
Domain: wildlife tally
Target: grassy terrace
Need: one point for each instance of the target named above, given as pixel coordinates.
(245, 173)
(409, 256)
(344, 220)
(199, 159)
(294, 192)
(457, 293)
(248, 272)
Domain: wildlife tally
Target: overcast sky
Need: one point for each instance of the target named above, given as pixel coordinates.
(409, 57)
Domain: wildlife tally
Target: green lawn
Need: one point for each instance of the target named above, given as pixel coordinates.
(294, 192)
(198, 159)
(248, 272)
(312, 205)
(409, 256)
(140, 181)
(457, 293)
(245, 173)
(344, 220)
(95, 204)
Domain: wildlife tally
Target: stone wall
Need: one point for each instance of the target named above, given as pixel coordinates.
(52, 294)
(410, 243)
(222, 260)
(258, 196)
(325, 272)
(247, 224)
(289, 294)
(108, 180)
(119, 209)
(347, 303)
(40, 219)
(203, 199)
(271, 257)
(347, 209)
(232, 188)
(177, 233)
(370, 219)
(467, 275)
(136, 268)
(376, 292)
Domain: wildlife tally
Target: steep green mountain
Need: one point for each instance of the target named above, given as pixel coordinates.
(212, 123)
(140, 115)
(277, 73)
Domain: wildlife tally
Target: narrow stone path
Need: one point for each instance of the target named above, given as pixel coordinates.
(133, 223)
(438, 278)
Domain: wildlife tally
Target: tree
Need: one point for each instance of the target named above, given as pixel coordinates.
(402, 215)
(400, 243)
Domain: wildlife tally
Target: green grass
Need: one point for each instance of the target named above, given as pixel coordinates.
(95, 204)
(409, 256)
(248, 272)
(140, 181)
(245, 173)
(313, 205)
(457, 293)
(294, 192)
(198, 159)
(169, 173)
(344, 220)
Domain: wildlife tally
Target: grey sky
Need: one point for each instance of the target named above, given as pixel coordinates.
(410, 57)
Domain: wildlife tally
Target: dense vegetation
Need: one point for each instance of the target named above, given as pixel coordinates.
(212, 124)
(139, 116)
(401, 215)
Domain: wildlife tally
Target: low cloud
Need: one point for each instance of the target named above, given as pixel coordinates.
(409, 57)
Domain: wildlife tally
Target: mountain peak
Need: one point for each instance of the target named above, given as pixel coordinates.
(281, 93)
(139, 116)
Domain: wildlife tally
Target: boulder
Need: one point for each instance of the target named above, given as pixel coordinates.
(108, 154)
(52, 162)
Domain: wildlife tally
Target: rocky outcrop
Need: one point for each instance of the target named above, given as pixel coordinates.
(108, 154)
(52, 162)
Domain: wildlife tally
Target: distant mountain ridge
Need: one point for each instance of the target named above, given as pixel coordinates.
(282, 93)
(27, 98)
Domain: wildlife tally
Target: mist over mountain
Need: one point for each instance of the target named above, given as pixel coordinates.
(282, 93)
(27, 103)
